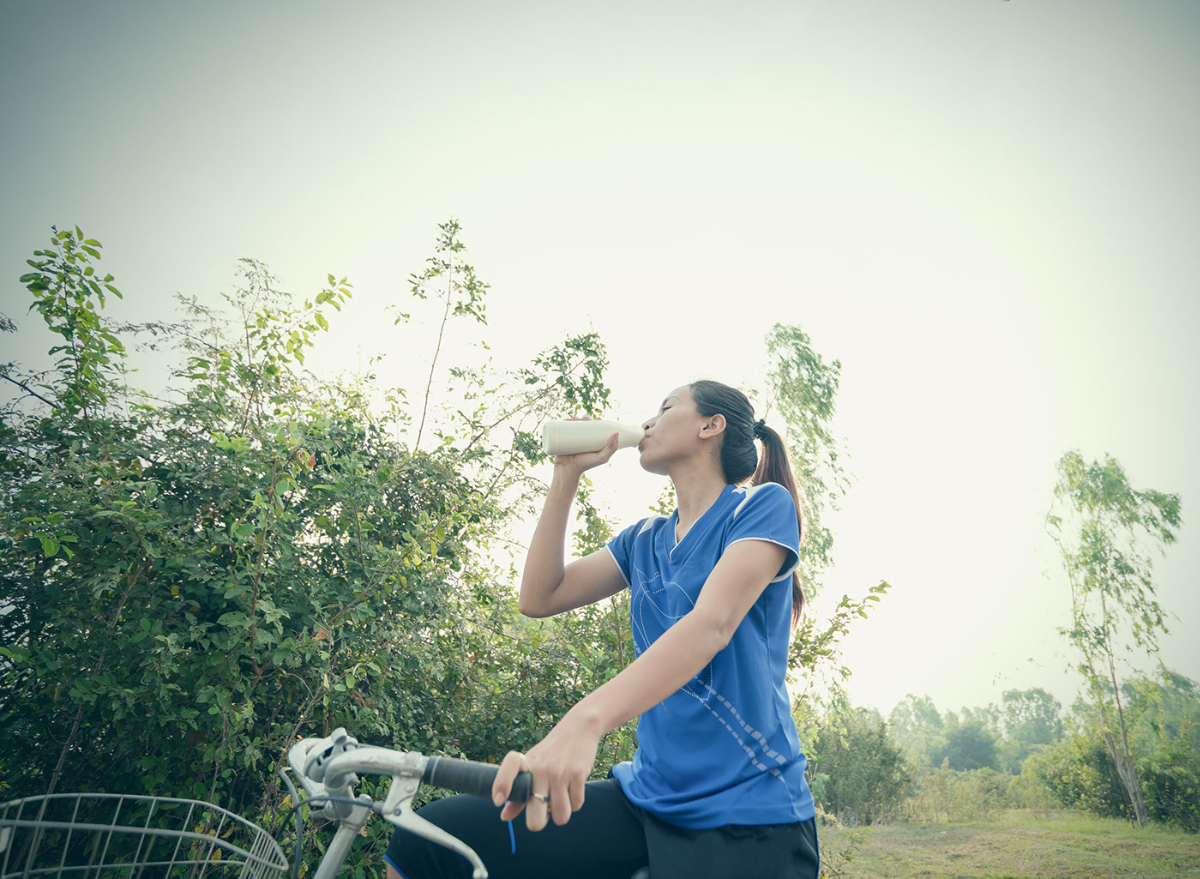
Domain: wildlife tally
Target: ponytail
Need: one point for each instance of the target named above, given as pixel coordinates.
(740, 459)
(774, 466)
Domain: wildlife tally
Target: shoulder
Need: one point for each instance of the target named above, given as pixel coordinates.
(769, 496)
(642, 529)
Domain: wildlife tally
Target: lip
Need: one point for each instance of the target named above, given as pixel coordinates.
(643, 442)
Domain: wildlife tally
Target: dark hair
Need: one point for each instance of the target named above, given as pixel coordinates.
(740, 460)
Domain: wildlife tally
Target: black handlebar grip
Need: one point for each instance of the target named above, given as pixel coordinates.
(469, 777)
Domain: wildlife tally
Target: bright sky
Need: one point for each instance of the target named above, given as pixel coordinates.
(987, 210)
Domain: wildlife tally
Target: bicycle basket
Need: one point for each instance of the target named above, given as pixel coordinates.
(117, 835)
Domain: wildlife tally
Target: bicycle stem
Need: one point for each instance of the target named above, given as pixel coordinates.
(330, 767)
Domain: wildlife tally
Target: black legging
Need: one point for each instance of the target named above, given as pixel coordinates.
(609, 838)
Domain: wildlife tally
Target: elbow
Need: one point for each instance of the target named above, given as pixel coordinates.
(528, 609)
(532, 601)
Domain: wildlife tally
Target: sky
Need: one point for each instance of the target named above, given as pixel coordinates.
(986, 210)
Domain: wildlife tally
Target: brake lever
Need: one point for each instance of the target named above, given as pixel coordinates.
(397, 810)
(313, 768)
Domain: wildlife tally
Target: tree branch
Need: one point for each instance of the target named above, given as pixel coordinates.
(28, 389)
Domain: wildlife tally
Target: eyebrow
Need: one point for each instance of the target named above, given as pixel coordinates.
(668, 399)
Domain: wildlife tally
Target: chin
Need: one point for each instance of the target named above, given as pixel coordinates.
(651, 467)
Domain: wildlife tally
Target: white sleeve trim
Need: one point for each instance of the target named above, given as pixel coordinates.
(791, 554)
(617, 565)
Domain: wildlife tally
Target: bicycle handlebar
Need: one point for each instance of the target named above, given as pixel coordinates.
(335, 762)
(329, 767)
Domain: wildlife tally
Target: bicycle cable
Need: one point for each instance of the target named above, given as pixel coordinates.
(295, 797)
(310, 802)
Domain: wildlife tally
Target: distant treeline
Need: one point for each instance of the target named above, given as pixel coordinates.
(926, 765)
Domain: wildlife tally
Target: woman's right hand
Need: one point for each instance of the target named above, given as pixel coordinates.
(576, 465)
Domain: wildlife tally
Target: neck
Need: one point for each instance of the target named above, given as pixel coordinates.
(695, 492)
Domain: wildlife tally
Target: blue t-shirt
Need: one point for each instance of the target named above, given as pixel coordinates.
(722, 749)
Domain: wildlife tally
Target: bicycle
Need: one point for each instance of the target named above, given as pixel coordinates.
(171, 837)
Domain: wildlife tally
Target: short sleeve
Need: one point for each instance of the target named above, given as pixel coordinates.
(768, 513)
(621, 548)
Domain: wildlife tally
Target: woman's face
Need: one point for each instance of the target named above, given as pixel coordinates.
(674, 433)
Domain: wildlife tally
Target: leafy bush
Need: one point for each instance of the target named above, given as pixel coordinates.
(942, 794)
(191, 584)
(1171, 784)
(1080, 772)
(858, 772)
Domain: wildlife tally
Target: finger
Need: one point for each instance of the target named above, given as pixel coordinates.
(577, 790)
(535, 808)
(511, 811)
(514, 762)
(536, 811)
(610, 448)
(560, 805)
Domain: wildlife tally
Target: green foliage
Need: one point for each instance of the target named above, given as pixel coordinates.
(1031, 718)
(193, 583)
(1160, 714)
(457, 287)
(68, 294)
(943, 794)
(1107, 532)
(1171, 784)
(1080, 772)
(918, 728)
(804, 387)
(1107, 558)
(858, 773)
(967, 745)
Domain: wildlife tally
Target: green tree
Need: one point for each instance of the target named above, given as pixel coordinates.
(803, 386)
(1108, 533)
(858, 772)
(969, 744)
(1031, 718)
(918, 728)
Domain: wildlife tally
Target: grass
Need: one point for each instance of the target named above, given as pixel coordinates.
(1021, 845)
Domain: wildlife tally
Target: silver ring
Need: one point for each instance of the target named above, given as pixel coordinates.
(545, 798)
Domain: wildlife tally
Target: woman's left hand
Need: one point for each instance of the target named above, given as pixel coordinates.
(560, 764)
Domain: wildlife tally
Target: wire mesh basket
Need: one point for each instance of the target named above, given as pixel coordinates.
(131, 837)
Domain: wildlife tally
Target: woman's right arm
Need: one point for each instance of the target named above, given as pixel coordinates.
(548, 586)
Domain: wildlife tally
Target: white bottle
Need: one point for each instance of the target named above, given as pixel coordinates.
(575, 437)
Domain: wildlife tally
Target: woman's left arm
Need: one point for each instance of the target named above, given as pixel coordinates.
(562, 761)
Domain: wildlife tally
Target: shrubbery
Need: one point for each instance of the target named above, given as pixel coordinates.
(1171, 784)
(944, 794)
(858, 774)
(192, 583)
(1073, 772)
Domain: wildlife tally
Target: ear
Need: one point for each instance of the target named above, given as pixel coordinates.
(713, 426)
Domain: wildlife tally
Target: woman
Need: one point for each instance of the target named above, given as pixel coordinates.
(716, 788)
